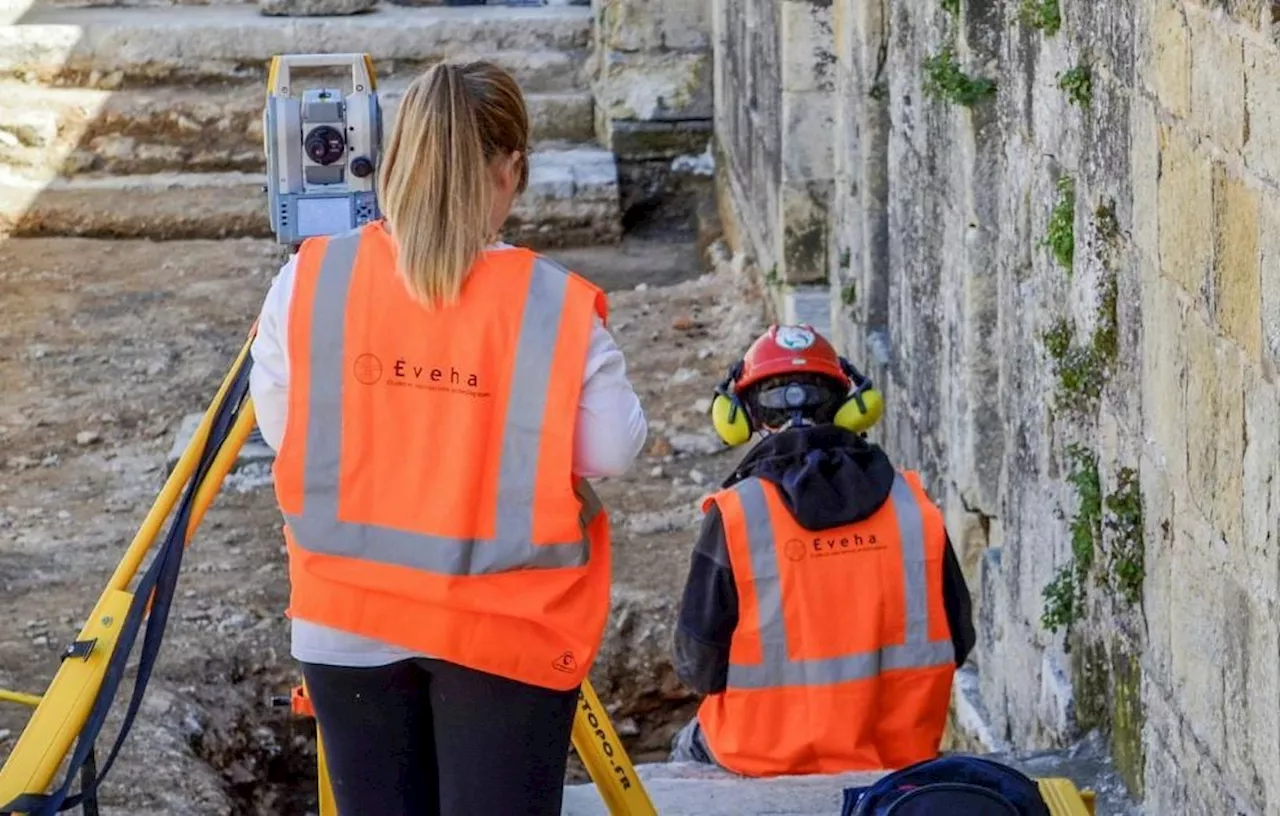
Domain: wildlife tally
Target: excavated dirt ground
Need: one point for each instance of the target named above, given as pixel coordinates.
(105, 346)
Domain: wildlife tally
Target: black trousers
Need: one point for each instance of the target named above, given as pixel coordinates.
(429, 738)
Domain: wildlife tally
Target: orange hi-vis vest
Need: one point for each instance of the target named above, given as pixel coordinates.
(842, 659)
(426, 470)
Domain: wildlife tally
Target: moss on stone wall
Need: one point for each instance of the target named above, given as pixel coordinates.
(1090, 682)
(1077, 84)
(1121, 569)
(1065, 595)
(1060, 233)
(1125, 556)
(1106, 678)
(1127, 719)
(943, 79)
(1045, 15)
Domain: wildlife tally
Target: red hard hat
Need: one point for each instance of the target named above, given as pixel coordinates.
(790, 350)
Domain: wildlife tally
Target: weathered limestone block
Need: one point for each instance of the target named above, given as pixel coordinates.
(1260, 717)
(1160, 590)
(804, 231)
(1144, 176)
(1164, 365)
(808, 61)
(655, 25)
(807, 126)
(314, 8)
(659, 85)
(1215, 428)
(652, 72)
(1217, 79)
(1269, 231)
(1185, 198)
(1170, 75)
(1198, 630)
(1262, 106)
(1237, 278)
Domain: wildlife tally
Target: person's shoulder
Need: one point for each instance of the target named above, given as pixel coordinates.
(717, 496)
(553, 265)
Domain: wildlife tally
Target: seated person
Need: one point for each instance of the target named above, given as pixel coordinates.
(824, 613)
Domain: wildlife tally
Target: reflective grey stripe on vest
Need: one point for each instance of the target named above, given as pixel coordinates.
(777, 668)
(319, 529)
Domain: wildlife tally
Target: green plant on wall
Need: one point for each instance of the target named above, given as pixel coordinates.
(1044, 15)
(1125, 561)
(1065, 595)
(1105, 221)
(1060, 235)
(943, 79)
(1077, 83)
(951, 7)
(1106, 339)
(1080, 369)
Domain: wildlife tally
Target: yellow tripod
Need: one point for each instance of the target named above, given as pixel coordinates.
(61, 714)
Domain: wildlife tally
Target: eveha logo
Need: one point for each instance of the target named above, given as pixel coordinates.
(856, 543)
(404, 371)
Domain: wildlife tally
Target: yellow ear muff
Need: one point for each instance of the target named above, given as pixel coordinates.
(853, 417)
(730, 420)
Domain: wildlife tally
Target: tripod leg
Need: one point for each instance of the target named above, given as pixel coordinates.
(328, 807)
(601, 751)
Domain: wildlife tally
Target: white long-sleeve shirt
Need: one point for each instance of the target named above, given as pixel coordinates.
(610, 432)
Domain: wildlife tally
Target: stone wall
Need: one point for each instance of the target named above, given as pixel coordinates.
(651, 69)
(1050, 230)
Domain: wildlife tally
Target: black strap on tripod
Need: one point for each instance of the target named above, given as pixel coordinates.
(157, 585)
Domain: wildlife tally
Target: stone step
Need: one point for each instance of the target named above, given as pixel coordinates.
(689, 789)
(167, 129)
(572, 200)
(115, 47)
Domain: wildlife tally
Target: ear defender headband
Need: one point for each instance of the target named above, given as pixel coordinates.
(861, 410)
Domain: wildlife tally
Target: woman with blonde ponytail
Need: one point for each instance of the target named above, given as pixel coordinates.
(437, 400)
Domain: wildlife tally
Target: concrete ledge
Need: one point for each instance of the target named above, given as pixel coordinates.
(803, 304)
(202, 130)
(200, 43)
(685, 789)
(572, 200)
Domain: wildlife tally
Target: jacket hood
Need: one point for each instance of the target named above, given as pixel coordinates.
(827, 476)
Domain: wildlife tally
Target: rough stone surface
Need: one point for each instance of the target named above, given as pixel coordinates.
(314, 8)
(572, 199)
(651, 73)
(195, 44)
(157, 130)
(942, 286)
(147, 121)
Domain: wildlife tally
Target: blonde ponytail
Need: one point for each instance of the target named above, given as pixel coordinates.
(435, 188)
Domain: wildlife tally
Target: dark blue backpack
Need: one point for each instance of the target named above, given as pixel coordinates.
(951, 785)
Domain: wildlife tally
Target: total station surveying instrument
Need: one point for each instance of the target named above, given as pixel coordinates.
(322, 148)
(322, 154)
